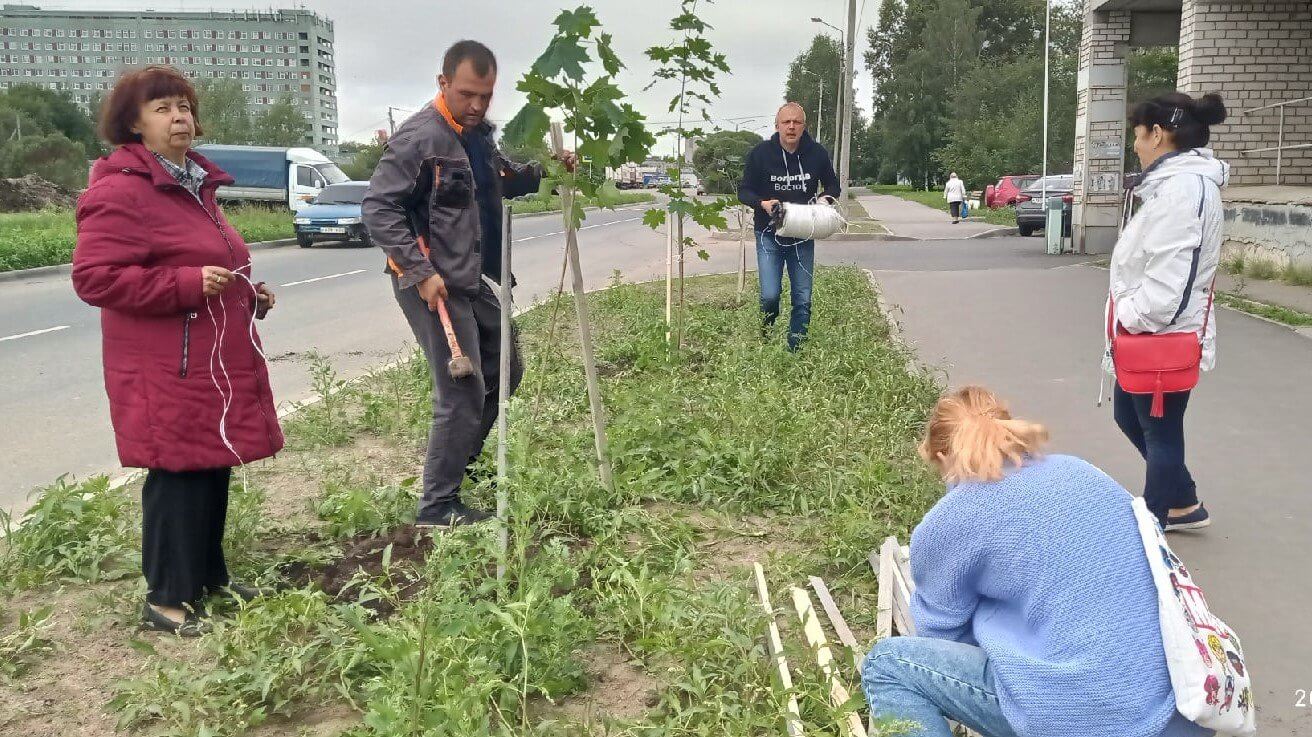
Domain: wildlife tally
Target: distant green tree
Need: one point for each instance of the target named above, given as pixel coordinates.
(51, 156)
(51, 112)
(224, 111)
(914, 123)
(879, 57)
(720, 158)
(281, 124)
(364, 158)
(823, 60)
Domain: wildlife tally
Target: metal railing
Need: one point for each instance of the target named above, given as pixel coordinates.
(1280, 148)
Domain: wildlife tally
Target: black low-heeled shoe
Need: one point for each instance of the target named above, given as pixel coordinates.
(243, 592)
(190, 626)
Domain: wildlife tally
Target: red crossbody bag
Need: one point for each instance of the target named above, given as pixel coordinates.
(1157, 363)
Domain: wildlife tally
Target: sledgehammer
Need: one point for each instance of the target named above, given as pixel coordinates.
(459, 366)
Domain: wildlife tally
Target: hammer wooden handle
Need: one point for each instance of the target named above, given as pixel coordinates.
(445, 317)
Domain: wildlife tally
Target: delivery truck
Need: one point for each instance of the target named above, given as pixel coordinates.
(287, 177)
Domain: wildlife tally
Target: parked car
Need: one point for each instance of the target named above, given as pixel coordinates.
(289, 177)
(1008, 189)
(1031, 214)
(334, 215)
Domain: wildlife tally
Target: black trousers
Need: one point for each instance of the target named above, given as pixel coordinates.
(956, 209)
(1160, 440)
(182, 519)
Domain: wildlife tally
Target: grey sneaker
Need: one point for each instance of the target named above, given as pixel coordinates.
(451, 514)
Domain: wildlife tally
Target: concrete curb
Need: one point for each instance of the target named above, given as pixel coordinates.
(998, 233)
(37, 273)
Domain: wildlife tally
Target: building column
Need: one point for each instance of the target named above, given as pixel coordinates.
(1100, 129)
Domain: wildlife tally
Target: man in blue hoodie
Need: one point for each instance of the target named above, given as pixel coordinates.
(789, 167)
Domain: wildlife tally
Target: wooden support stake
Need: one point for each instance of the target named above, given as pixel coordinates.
(742, 250)
(884, 600)
(794, 719)
(836, 619)
(503, 394)
(585, 329)
(815, 637)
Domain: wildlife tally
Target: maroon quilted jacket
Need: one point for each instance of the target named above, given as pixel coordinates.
(142, 239)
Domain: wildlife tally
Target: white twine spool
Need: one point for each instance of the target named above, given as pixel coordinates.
(815, 221)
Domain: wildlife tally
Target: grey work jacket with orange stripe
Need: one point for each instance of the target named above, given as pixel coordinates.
(421, 207)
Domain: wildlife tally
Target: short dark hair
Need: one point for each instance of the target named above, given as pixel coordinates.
(122, 108)
(484, 61)
(1189, 119)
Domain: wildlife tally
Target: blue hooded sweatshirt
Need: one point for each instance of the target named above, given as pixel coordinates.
(771, 173)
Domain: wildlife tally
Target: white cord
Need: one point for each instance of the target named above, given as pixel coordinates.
(220, 329)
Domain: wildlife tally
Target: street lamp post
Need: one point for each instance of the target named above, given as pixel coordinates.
(844, 96)
(840, 97)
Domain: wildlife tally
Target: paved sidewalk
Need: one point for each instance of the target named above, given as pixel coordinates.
(914, 220)
(1028, 326)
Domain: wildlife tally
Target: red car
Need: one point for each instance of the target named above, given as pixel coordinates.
(1008, 189)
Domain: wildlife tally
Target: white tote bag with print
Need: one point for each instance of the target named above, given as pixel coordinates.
(1212, 685)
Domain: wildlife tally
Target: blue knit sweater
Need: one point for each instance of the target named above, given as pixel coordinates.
(1045, 571)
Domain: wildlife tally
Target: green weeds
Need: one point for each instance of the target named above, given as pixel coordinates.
(47, 238)
(732, 451)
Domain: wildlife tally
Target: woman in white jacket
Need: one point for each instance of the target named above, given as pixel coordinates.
(1162, 273)
(955, 194)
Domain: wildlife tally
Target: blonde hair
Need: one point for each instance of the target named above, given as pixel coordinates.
(972, 437)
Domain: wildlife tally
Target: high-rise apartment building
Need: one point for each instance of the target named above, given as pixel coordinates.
(273, 53)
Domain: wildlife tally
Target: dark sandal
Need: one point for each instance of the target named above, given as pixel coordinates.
(190, 626)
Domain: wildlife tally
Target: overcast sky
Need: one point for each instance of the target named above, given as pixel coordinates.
(388, 51)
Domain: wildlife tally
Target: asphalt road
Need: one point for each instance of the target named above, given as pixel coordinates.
(333, 299)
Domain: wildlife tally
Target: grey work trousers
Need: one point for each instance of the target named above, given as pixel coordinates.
(464, 410)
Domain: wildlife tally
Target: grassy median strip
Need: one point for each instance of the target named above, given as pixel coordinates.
(46, 238)
(32, 239)
(1282, 315)
(630, 613)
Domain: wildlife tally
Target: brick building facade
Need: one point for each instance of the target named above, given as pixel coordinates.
(1253, 53)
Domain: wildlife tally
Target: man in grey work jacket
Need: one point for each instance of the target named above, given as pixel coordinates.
(434, 207)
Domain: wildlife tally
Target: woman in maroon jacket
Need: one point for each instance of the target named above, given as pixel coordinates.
(188, 389)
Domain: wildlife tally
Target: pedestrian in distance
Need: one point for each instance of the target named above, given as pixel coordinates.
(1163, 271)
(1035, 616)
(189, 393)
(791, 167)
(434, 207)
(955, 193)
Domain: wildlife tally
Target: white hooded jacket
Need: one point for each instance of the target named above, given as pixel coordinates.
(955, 191)
(1165, 261)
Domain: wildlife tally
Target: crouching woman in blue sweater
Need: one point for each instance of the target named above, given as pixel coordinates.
(1034, 604)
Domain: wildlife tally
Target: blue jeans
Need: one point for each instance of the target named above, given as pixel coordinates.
(1160, 440)
(771, 257)
(929, 681)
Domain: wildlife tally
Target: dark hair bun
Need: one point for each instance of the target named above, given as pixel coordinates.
(1209, 109)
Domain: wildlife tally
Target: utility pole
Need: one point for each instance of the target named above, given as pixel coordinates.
(846, 95)
(820, 108)
(391, 121)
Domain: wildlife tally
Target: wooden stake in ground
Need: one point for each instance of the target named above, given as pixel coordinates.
(794, 719)
(815, 637)
(585, 329)
(836, 619)
(503, 402)
(742, 250)
(669, 275)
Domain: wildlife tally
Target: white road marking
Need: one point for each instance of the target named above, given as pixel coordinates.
(585, 227)
(55, 329)
(321, 278)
